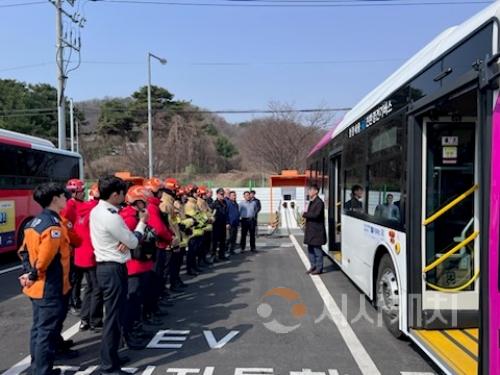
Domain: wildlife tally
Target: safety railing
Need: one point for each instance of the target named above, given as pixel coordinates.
(450, 205)
(456, 248)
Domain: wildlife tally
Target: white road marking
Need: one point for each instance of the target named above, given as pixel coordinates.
(184, 371)
(252, 371)
(214, 344)
(163, 340)
(88, 371)
(359, 353)
(10, 269)
(23, 364)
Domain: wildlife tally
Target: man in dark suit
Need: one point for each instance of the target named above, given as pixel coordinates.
(315, 233)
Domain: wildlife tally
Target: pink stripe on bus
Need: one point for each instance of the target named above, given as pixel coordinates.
(494, 305)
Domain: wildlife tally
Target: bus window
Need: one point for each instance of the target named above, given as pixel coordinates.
(354, 191)
(384, 192)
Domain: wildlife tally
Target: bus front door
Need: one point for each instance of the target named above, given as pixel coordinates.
(450, 223)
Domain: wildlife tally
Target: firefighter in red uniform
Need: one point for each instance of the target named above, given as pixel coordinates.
(92, 305)
(139, 269)
(77, 189)
(46, 262)
(164, 253)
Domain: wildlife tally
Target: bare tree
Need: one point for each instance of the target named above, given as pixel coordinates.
(275, 144)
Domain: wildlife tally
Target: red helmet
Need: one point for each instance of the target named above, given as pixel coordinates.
(153, 184)
(94, 191)
(191, 188)
(181, 191)
(202, 190)
(75, 185)
(171, 184)
(137, 193)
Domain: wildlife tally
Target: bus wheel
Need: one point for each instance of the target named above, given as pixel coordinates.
(388, 295)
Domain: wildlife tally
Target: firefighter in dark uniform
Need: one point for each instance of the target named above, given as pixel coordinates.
(46, 261)
(220, 226)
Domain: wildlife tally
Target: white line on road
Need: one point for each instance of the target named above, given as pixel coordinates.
(10, 269)
(23, 364)
(361, 356)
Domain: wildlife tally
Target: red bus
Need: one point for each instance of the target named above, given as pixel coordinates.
(27, 161)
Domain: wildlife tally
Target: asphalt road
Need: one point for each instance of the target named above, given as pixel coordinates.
(255, 314)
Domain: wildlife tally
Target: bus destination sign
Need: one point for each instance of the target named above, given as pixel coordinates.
(378, 114)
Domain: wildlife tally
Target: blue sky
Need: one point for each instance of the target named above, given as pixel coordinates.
(303, 56)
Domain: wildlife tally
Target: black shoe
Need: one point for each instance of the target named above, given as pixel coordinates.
(123, 360)
(96, 329)
(223, 257)
(175, 289)
(197, 269)
(180, 284)
(84, 326)
(134, 343)
(65, 345)
(66, 354)
(192, 273)
(141, 334)
(254, 250)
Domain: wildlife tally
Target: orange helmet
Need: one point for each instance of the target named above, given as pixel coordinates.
(153, 184)
(171, 184)
(75, 185)
(202, 190)
(94, 191)
(137, 193)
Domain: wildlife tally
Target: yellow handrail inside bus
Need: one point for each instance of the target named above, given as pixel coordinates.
(458, 288)
(445, 256)
(450, 205)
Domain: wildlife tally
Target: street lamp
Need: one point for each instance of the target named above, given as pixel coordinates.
(150, 119)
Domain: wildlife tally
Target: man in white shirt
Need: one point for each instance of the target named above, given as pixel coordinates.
(112, 241)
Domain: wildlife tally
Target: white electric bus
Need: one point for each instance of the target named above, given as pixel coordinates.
(411, 180)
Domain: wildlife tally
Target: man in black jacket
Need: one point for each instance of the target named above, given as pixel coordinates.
(220, 225)
(315, 233)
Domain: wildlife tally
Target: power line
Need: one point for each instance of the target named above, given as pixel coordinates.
(23, 4)
(225, 111)
(47, 111)
(217, 63)
(243, 4)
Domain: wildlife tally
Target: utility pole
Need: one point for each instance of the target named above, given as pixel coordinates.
(61, 78)
(150, 114)
(63, 40)
(77, 149)
(71, 125)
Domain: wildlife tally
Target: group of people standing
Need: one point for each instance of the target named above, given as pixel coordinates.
(129, 243)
